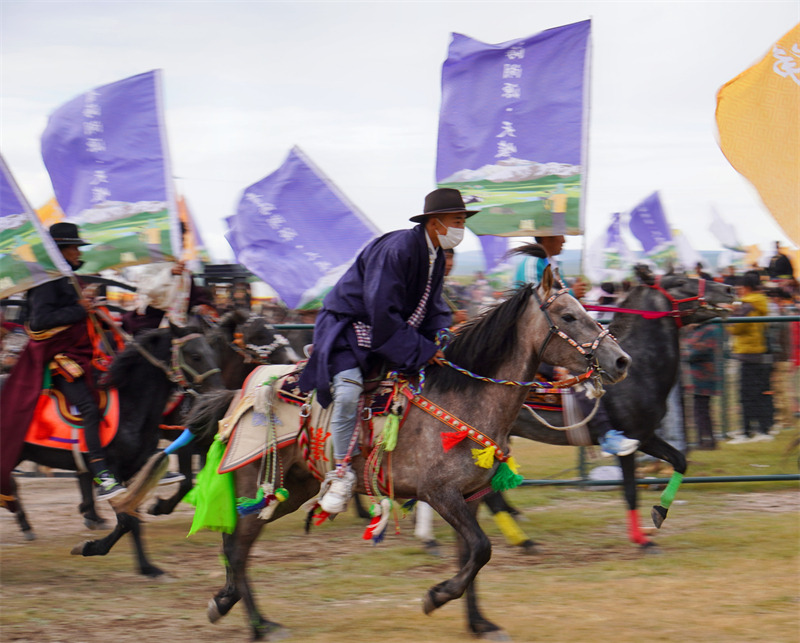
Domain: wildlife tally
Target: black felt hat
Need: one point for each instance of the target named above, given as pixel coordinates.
(66, 234)
(442, 201)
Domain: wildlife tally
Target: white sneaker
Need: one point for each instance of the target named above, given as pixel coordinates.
(762, 437)
(337, 491)
(615, 443)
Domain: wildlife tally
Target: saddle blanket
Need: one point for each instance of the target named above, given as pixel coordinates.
(246, 425)
(57, 424)
(546, 399)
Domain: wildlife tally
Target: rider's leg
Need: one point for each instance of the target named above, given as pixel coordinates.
(338, 486)
(79, 395)
(610, 440)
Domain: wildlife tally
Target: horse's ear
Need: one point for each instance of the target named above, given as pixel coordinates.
(174, 330)
(644, 274)
(671, 270)
(231, 320)
(547, 282)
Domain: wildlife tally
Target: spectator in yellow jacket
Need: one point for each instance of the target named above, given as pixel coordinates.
(751, 348)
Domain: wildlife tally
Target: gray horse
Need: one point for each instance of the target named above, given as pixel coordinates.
(507, 342)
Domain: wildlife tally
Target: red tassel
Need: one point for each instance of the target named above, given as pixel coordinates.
(368, 532)
(321, 517)
(449, 440)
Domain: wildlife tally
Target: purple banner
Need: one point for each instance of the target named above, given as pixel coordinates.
(28, 254)
(107, 156)
(294, 227)
(649, 223)
(512, 130)
(494, 250)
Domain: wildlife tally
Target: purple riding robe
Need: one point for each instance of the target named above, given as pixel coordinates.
(382, 290)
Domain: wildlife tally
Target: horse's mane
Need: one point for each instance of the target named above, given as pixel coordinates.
(123, 368)
(482, 345)
(486, 342)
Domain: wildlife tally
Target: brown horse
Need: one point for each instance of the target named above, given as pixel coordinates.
(506, 342)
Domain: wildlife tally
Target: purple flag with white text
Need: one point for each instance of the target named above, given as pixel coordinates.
(648, 223)
(295, 229)
(513, 129)
(28, 254)
(107, 156)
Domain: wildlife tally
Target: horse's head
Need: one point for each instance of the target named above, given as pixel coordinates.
(266, 345)
(192, 361)
(702, 299)
(568, 337)
(697, 300)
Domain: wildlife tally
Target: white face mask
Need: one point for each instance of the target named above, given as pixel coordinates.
(453, 237)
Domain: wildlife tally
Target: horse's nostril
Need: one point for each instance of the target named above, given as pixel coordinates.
(622, 363)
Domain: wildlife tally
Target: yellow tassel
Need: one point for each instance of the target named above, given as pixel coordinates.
(512, 464)
(484, 458)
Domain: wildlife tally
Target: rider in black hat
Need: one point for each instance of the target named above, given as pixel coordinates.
(55, 305)
(385, 310)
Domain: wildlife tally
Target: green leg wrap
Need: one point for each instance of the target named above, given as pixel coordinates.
(668, 495)
(514, 535)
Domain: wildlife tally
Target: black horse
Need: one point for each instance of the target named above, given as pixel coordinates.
(144, 375)
(241, 342)
(637, 405)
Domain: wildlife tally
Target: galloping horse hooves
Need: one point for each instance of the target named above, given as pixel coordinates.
(658, 514)
(94, 525)
(530, 548)
(651, 548)
(266, 630)
(29, 535)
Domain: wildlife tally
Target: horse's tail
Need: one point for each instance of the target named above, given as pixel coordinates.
(141, 484)
(207, 411)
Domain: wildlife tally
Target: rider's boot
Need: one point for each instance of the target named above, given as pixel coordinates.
(107, 486)
(337, 489)
(615, 443)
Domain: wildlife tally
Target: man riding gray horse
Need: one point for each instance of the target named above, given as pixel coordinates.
(384, 311)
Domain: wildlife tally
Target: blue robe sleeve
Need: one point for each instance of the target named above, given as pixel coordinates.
(386, 276)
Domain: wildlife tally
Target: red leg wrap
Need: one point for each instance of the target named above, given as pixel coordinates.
(635, 533)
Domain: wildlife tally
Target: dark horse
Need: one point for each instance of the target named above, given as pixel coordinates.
(507, 342)
(637, 405)
(241, 342)
(144, 388)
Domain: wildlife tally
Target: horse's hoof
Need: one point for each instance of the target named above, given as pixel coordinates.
(428, 604)
(212, 611)
(269, 631)
(658, 514)
(77, 550)
(155, 510)
(530, 548)
(29, 535)
(96, 524)
(151, 571)
(432, 548)
(495, 635)
(651, 548)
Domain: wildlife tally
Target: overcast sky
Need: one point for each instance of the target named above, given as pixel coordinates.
(357, 86)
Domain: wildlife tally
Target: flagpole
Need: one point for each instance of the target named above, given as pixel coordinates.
(588, 84)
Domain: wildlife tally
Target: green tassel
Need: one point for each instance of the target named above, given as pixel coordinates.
(505, 478)
(245, 503)
(390, 430)
(213, 496)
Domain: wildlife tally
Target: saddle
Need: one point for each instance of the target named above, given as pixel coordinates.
(296, 418)
(56, 424)
(546, 399)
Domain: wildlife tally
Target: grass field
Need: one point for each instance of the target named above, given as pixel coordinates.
(727, 572)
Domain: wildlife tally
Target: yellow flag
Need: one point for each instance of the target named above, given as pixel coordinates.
(50, 213)
(758, 117)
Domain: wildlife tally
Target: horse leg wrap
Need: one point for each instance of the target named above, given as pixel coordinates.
(514, 535)
(668, 495)
(635, 533)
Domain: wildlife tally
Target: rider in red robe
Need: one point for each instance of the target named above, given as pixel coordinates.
(60, 340)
